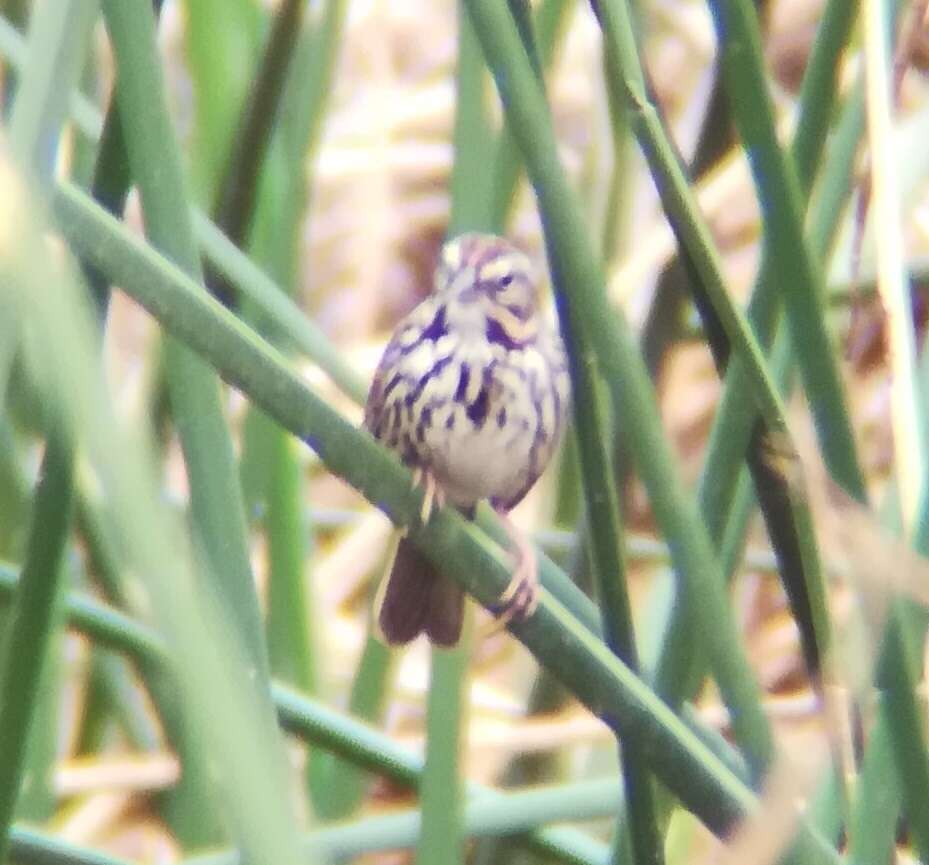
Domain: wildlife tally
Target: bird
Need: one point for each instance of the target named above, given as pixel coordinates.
(471, 393)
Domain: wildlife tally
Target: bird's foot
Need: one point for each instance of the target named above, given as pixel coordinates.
(521, 597)
(433, 493)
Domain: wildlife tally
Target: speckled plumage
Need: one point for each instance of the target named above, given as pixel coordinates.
(472, 389)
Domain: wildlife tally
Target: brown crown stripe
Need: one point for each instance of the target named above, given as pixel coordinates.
(476, 251)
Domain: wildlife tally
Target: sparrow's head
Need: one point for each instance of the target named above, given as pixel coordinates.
(486, 274)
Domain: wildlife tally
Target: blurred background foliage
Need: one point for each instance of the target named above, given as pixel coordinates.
(731, 199)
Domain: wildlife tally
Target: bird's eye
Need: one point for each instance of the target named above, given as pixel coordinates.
(506, 280)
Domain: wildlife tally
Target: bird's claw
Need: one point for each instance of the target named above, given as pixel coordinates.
(521, 597)
(433, 493)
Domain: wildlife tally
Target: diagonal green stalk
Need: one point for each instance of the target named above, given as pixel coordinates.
(31, 847)
(295, 105)
(806, 149)
(617, 208)
(101, 538)
(735, 424)
(661, 326)
(222, 50)
(689, 226)
(604, 537)
(898, 719)
(587, 320)
(328, 728)
(58, 38)
(52, 58)
(898, 675)
(290, 322)
(110, 682)
(788, 519)
(303, 112)
(34, 619)
(15, 50)
(109, 679)
(106, 625)
(609, 571)
(57, 42)
(194, 390)
(169, 573)
(819, 89)
(736, 421)
(342, 734)
(897, 678)
(487, 816)
(872, 833)
(574, 655)
(236, 200)
(780, 199)
(152, 267)
(110, 186)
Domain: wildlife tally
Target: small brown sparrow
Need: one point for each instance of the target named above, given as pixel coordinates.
(472, 392)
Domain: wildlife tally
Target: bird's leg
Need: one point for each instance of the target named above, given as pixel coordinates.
(521, 596)
(434, 494)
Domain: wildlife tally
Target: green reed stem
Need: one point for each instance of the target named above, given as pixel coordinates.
(587, 667)
(588, 321)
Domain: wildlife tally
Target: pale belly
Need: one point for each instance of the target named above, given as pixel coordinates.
(489, 440)
(488, 462)
(483, 425)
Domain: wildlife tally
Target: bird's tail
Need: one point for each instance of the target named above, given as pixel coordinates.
(416, 598)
